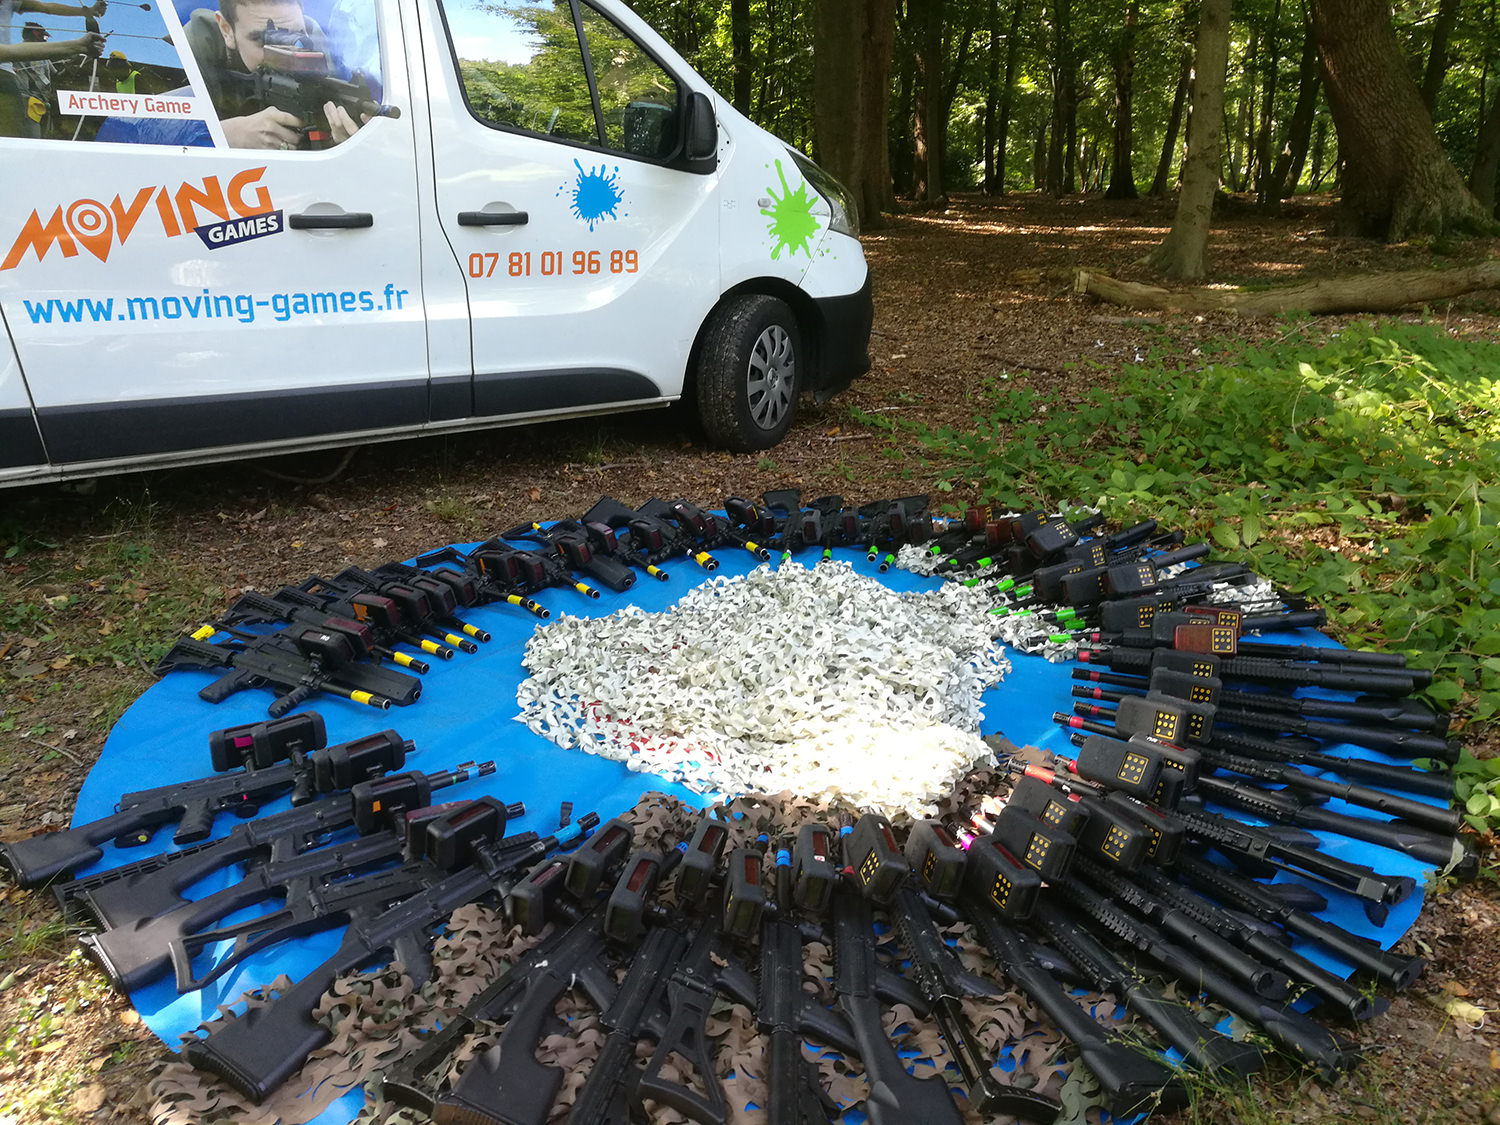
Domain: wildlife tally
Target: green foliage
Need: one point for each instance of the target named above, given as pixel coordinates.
(1362, 472)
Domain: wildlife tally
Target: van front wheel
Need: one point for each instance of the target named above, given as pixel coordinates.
(747, 373)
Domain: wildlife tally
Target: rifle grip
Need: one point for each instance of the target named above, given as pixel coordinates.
(260, 1050)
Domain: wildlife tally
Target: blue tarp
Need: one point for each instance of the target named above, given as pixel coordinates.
(467, 712)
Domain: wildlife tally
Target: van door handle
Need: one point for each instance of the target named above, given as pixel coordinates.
(345, 220)
(492, 218)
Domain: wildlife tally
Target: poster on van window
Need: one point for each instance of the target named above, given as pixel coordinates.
(254, 74)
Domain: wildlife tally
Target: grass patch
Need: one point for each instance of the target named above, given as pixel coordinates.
(1360, 470)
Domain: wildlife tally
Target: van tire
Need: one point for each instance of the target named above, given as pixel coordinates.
(748, 342)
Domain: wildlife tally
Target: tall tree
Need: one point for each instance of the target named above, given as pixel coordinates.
(1183, 253)
(1397, 179)
(1064, 129)
(1270, 70)
(740, 53)
(1487, 157)
(1122, 170)
(851, 89)
(1437, 53)
(1288, 168)
(1007, 97)
(1166, 166)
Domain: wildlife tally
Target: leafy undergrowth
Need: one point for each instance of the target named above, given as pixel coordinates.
(1360, 470)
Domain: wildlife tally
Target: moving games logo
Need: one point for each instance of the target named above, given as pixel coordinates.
(98, 227)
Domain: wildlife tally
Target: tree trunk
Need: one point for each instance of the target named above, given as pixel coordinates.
(1161, 184)
(1064, 100)
(926, 20)
(1363, 293)
(875, 191)
(1241, 138)
(1288, 169)
(1270, 70)
(1437, 55)
(902, 154)
(739, 51)
(851, 83)
(1121, 171)
(1012, 55)
(1319, 143)
(1397, 179)
(1184, 252)
(991, 97)
(1487, 157)
(1039, 153)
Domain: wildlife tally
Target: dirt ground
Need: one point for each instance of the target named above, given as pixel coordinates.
(96, 579)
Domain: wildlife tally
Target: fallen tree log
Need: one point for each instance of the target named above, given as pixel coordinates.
(1380, 292)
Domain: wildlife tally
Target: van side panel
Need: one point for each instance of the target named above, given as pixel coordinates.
(20, 442)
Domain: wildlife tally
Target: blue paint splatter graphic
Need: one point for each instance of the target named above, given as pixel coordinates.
(596, 196)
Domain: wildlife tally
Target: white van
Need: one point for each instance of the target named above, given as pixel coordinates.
(258, 226)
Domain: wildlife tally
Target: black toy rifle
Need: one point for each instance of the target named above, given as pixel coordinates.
(259, 1051)
(133, 951)
(258, 762)
(881, 872)
(296, 665)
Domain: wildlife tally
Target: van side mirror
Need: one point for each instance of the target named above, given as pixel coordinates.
(700, 147)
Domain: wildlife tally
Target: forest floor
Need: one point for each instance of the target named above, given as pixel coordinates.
(96, 579)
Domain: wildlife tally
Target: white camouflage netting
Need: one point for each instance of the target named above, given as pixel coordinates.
(816, 681)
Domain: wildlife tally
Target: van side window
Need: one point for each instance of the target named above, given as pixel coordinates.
(637, 98)
(522, 67)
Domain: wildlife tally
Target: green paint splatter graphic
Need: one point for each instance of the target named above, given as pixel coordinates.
(792, 224)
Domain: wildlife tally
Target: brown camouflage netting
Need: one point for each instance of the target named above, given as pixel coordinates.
(377, 1017)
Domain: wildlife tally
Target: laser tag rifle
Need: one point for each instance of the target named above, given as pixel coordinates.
(804, 879)
(1265, 766)
(295, 664)
(1111, 850)
(1258, 850)
(255, 763)
(295, 77)
(1187, 712)
(260, 1050)
(647, 539)
(1283, 673)
(135, 949)
(881, 872)
(705, 530)
(428, 599)
(592, 549)
(1017, 543)
(1286, 806)
(503, 572)
(122, 895)
(545, 895)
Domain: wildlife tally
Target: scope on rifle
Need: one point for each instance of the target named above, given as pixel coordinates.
(588, 864)
(1164, 833)
(340, 767)
(1045, 849)
(625, 913)
(1119, 765)
(534, 899)
(452, 840)
(936, 859)
(1034, 795)
(1111, 837)
(814, 874)
(870, 850)
(700, 861)
(1171, 720)
(1001, 880)
(744, 897)
(254, 746)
